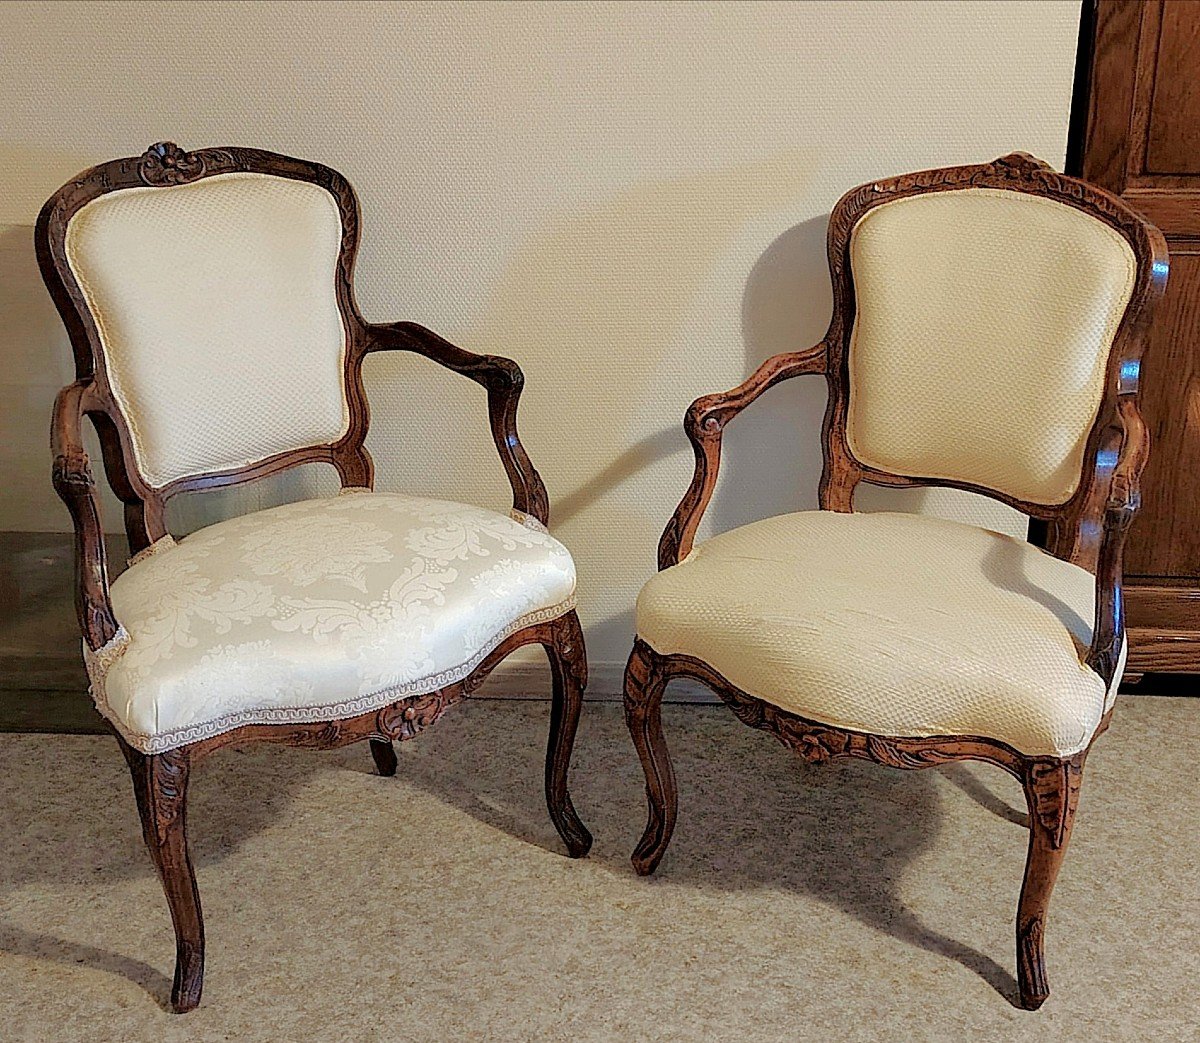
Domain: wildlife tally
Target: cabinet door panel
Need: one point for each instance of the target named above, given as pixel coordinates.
(1165, 540)
(1173, 137)
(1143, 143)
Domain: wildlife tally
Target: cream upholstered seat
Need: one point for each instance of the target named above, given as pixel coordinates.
(893, 624)
(318, 610)
(987, 332)
(210, 304)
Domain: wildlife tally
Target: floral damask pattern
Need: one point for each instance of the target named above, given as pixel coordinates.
(316, 610)
(321, 546)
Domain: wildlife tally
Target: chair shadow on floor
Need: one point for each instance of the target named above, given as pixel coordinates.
(752, 816)
(48, 845)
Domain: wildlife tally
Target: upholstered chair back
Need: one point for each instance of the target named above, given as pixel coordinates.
(983, 322)
(217, 316)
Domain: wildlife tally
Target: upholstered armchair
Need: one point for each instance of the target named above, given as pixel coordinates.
(209, 302)
(987, 331)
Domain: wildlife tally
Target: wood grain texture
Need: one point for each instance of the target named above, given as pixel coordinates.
(1142, 144)
(1165, 542)
(1088, 529)
(160, 781)
(1173, 120)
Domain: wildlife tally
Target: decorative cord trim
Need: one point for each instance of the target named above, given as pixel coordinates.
(97, 661)
(157, 547)
(528, 520)
(350, 490)
(151, 744)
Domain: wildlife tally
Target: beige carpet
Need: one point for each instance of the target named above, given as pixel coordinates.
(837, 903)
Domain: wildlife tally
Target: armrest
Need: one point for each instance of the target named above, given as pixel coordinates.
(704, 423)
(73, 481)
(1121, 507)
(503, 380)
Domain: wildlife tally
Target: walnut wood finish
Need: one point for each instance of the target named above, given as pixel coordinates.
(1089, 529)
(160, 780)
(1142, 144)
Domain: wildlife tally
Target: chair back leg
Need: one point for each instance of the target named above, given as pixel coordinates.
(568, 671)
(384, 753)
(1052, 793)
(645, 680)
(160, 783)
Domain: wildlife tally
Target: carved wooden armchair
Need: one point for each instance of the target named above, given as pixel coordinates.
(208, 296)
(987, 332)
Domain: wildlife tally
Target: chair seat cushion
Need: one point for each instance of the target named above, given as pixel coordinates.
(894, 624)
(318, 610)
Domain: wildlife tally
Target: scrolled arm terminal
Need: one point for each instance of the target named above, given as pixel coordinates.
(704, 424)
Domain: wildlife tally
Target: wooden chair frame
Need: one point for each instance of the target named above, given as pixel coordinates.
(161, 780)
(1088, 529)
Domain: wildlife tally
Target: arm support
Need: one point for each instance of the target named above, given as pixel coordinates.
(704, 423)
(73, 481)
(1124, 500)
(503, 380)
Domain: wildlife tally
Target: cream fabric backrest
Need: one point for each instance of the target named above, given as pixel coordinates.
(217, 313)
(981, 338)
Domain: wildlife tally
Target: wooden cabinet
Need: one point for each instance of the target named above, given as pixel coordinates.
(1142, 141)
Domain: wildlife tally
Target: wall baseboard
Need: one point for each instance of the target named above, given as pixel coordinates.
(49, 693)
(605, 684)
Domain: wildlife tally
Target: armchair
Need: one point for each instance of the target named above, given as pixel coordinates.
(987, 332)
(209, 301)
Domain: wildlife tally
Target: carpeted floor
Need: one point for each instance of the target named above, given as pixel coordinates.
(838, 903)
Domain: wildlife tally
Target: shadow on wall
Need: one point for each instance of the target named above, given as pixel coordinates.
(771, 455)
(639, 306)
(37, 362)
(787, 286)
(35, 355)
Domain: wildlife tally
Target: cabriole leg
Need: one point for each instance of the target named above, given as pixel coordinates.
(160, 783)
(568, 670)
(1052, 793)
(645, 681)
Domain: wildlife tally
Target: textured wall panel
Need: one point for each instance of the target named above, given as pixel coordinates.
(629, 199)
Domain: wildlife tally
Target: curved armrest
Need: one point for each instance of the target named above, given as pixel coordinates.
(704, 423)
(73, 481)
(1122, 505)
(503, 380)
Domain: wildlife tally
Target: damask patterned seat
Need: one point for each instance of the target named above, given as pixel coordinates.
(316, 611)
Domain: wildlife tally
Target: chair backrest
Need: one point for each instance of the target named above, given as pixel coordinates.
(988, 322)
(208, 295)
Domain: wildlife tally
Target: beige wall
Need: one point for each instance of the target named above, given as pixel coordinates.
(629, 199)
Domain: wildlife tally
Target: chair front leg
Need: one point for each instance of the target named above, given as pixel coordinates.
(568, 670)
(1052, 793)
(384, 753)
(160, 783)
(645, 680)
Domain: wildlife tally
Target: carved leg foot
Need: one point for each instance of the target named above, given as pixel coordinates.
(568, 668)
(384, 753)
(1052, 792)
(160, 784)
(644, 684)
